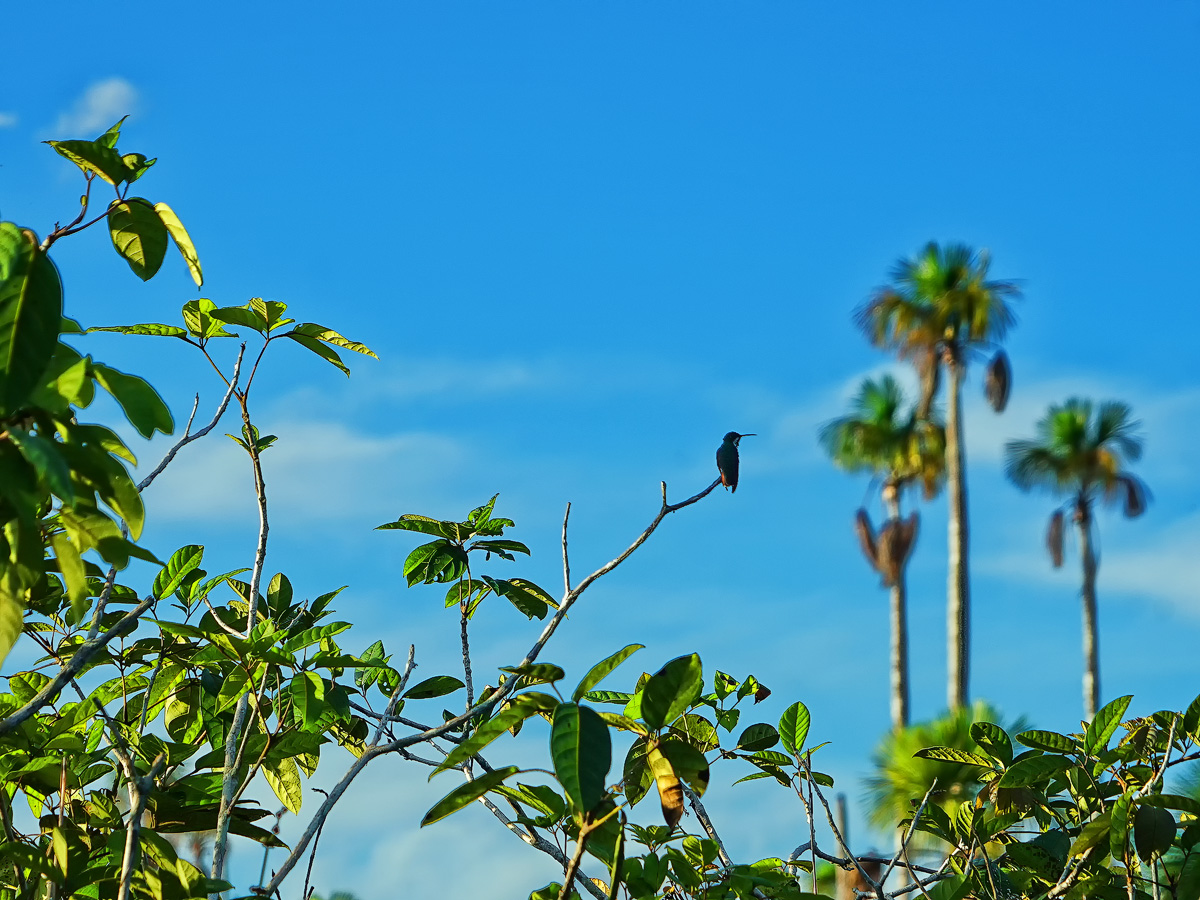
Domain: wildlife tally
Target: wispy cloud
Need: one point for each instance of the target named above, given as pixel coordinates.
(102, 103)
(1161, 566)
(8, 120)
(317, 472)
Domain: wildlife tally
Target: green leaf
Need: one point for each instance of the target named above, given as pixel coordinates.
(437, 686)
(1093, 833)
(30, 315)
(47, 460)
(98, 157)
(241, 315)
(1191, 720)
(11, 618)
(1153, 831)
(467, 793)
(1188, 887)
(1118, 835)
(197, 316)
(582, 753)
(182, 562)
(182, 240)
(758, 737)
(437, 561)
(283, 776)
(949, 754)
(141, 403)
(1104, 724)
(793, 727)
(518, 710)
(136, 165)
(308, 694)
(671, 691)
(994, 741)
(1032, 770)
(329, 336)
(600, 670)
(74, 574)
(452, 531)
(153, 329)
(1180, 802)
(271, 311)
(687, 762)
(139, 235)
(109, 138)
(524, 595)
(330, 356)
(1047, 740)
(619, 697)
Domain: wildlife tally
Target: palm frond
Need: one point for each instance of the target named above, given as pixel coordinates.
(1054, 539)
(866, 537)
(1115, 426)
(998, 381)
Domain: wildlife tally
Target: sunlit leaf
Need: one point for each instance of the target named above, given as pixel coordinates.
(139, 235)
(600, 670)
(467, 793)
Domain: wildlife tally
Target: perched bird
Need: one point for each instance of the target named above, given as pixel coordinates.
(727, 459)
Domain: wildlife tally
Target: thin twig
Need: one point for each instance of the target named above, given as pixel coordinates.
(187, 437)
(706, 823)
(102, 601)
(806, 760)
(912, 827)
(387, 712)
(566, 556)
(312, 856)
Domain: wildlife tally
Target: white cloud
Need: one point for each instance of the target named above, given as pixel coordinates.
(102, 104)
(8, 120)
(1162, 566)
(318, 471)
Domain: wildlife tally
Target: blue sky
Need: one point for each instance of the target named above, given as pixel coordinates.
(588, 239)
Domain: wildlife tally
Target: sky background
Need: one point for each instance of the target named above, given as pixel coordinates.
(586, 240)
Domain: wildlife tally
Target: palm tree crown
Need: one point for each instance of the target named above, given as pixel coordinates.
(1082, 450)
(881, 436)
(942, 297)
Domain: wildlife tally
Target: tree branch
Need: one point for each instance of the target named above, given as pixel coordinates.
(75, 664)
(484, 706)
(188, 438)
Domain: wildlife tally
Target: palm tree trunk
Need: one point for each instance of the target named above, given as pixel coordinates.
(958, 599)
(1091, 636)
(899, 613)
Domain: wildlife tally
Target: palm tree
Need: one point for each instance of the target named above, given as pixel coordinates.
(1080, 452)
(940, 308)
(880, 437)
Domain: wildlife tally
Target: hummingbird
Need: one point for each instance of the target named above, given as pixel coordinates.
(727, 459)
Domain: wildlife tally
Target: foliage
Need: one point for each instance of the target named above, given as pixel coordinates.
(901, 773)
(881, 437)
(1081, 451)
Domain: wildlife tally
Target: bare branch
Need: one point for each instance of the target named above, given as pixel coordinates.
(141, 789)
(391, 704)
(75, 664)
(707, 825)
(912, 827)
(188, 438)
(566, 556)
(877, 885)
